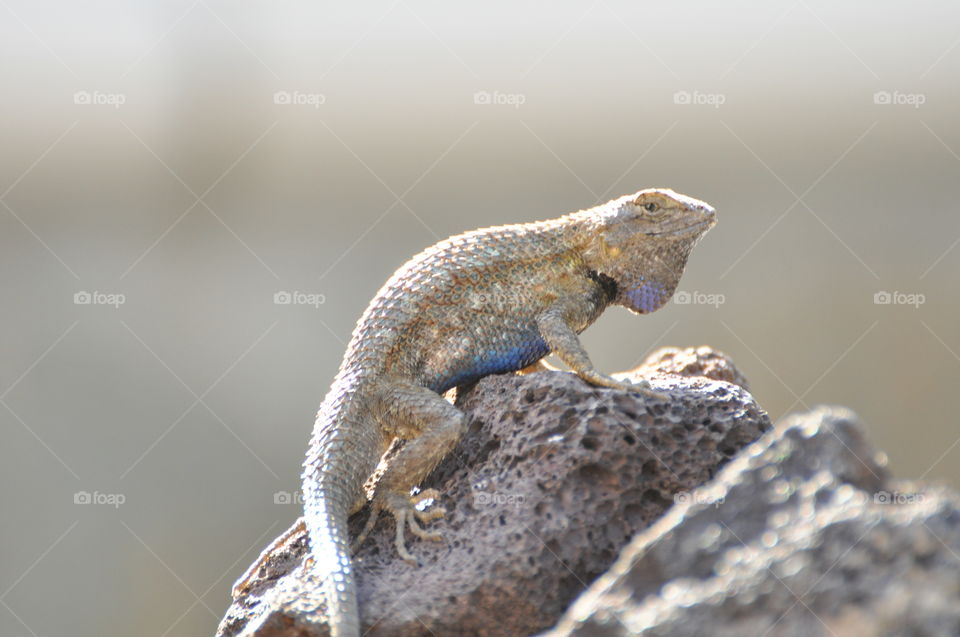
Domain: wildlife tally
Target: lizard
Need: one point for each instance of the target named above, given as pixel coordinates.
(489, 301)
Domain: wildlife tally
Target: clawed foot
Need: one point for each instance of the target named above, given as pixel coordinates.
(403, 508)
(642, 386)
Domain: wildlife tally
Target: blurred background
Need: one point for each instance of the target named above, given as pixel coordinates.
(199, 198)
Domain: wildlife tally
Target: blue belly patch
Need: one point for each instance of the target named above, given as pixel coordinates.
(510, 356)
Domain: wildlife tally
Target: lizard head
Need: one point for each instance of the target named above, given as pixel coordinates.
(642, 241)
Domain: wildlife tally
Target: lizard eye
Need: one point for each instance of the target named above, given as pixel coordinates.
(651, 207)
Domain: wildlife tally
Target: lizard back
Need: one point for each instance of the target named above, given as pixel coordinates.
(432, 322)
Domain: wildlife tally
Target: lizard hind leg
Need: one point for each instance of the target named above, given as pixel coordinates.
(431, 427)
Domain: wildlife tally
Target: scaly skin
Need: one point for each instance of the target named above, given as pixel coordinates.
(489, 301)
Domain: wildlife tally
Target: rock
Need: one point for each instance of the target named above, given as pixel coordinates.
(553, 478)
(691, 361)
(803, 534)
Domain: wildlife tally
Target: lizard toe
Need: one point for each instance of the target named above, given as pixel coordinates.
(401, 545)
(403, 508)
(417, 530)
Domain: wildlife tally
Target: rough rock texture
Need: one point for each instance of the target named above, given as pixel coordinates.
(553, 478)
(803, 534)
(691, 361)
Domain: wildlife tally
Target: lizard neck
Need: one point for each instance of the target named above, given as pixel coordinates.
(641, 278)
(609, 287)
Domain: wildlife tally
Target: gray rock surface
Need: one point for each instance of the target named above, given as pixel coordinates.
(553, 478)
(803, 534)
(691, 361)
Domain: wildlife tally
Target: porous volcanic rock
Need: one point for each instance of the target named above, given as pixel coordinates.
(804, 534)
(552, 480)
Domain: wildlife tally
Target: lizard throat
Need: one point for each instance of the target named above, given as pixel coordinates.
(647, 297)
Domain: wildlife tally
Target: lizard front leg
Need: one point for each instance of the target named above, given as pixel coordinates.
(432, 427)
(564, 342)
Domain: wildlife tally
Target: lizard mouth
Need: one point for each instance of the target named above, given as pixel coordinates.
(693, 228)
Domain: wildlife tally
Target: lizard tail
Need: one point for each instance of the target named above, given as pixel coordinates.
(344, 451)
(330, 551)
